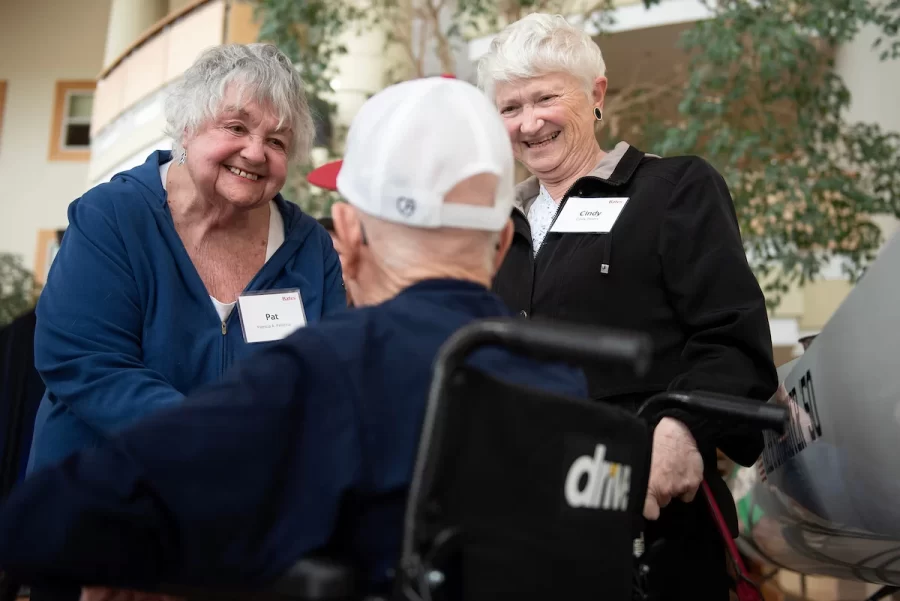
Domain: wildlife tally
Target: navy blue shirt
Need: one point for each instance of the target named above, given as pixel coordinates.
(307, 445)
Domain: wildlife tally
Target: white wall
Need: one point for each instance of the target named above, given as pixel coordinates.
(875, 85)
(875, 89)
(41, 41)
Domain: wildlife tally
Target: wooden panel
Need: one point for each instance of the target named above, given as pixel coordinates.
(56, 152)
(145, 69)
(791, 303)
(782, 355)
(108, 100)
(241, 28)
(203, 28)
(820, 300)
(179, 5)
(47, 244)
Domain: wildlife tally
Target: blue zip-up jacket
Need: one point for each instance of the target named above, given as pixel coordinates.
(309, 443)
(125, 326)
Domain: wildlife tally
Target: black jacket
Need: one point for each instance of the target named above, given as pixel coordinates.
(21, 389)
(676, 270)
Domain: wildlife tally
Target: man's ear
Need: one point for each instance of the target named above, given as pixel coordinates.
(506, 236)
(599, 92)
(348, 230)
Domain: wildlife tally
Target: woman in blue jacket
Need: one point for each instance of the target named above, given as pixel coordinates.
(178, 268)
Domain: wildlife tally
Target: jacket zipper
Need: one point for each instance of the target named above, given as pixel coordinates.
(559, 209)
(562, 203)
(248, 288)
(538, 253)
(224, 343)
(552, 221)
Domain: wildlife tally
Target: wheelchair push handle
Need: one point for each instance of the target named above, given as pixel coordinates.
(766, 416)
(552, 342)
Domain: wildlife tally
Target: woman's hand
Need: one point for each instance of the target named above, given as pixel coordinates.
(676, 467)
(96, 593)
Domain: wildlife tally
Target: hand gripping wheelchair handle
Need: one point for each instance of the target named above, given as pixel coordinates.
(765, 416)
(542, 341)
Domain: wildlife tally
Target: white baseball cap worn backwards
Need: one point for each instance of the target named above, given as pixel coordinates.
(411, 143)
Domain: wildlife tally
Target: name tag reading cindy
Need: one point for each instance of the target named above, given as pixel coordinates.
(589, 215)
(270, 315)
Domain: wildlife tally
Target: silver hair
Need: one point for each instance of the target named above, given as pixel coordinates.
(536, 45)
(262, 73)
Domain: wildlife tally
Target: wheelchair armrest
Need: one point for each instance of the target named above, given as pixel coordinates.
(316, 579)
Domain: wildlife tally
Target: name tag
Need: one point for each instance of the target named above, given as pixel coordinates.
(589, 215)
(270, 315)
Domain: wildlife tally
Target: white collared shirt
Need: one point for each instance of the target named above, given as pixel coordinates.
(540, 217)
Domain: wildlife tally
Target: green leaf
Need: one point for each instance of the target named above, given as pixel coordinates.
(761, 101)
(17, 288)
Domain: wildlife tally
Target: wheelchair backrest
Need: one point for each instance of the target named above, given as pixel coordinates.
(528, 495)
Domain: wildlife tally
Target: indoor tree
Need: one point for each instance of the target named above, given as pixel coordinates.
(765, 105)
(760, 98)
(17, 290)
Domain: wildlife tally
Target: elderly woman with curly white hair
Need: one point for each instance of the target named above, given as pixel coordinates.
(178, 268)
(624, 239)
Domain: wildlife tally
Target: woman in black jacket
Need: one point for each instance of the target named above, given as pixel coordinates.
(628, 240)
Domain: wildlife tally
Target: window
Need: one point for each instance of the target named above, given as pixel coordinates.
(2, 104)
(70, 136)
(48, 242)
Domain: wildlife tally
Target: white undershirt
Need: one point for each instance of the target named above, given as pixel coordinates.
(540, 218)
(274, 242)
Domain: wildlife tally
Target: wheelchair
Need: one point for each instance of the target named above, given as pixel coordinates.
(517, 493)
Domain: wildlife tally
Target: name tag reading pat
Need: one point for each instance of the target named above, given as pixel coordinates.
(589, 215)
(271, 315)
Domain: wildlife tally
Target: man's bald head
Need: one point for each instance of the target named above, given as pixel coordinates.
(380, 253)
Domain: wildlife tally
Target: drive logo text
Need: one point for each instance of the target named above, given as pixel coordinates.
(594, 483)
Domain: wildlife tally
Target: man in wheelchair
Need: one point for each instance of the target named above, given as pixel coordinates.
(309, 447)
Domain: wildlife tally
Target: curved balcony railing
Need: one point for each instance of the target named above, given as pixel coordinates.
(127, 115)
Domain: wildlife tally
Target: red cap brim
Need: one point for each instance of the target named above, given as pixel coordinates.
(326, 175)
